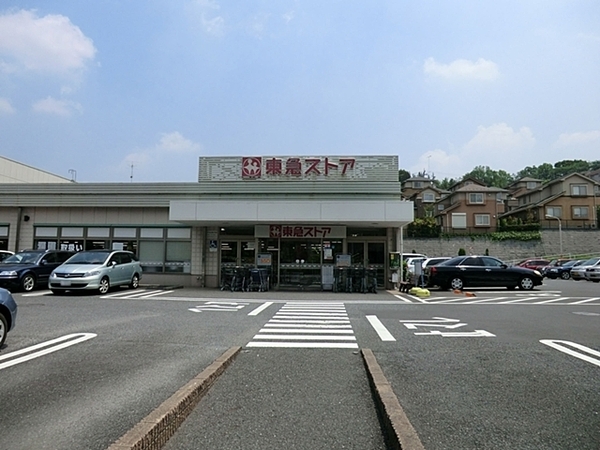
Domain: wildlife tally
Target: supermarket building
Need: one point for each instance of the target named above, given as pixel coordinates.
(299, 216)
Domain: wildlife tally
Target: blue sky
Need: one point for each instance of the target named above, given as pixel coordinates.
(98, 86)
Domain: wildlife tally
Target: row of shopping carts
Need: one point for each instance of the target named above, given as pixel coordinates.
(244, 279)
(355, 279)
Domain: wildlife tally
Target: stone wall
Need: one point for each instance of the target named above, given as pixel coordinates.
(574, 243)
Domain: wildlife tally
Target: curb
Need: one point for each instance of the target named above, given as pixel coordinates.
(153, 432)
(400, 434)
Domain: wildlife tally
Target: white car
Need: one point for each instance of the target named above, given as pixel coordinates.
(97, 270)
(580, 272)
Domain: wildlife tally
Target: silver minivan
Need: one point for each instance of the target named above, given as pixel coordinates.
(96, 270)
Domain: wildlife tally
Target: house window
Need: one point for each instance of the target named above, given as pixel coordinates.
(428, 197)
(417, 184)
(459, 220)
(531, 185)
(580, 212)
(555, 211)
(482, 220)
(476, 198)
(440, 207)
(578, 189)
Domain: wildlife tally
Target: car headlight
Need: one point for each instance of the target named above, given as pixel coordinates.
(92, 273)
(537, 272)
(8, 273)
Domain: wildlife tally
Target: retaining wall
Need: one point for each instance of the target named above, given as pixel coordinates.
(574, 242)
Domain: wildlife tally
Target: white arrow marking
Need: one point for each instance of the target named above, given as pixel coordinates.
(52, 346)
(561, 346)
(435, 319)
(476, 333)
(413, 326)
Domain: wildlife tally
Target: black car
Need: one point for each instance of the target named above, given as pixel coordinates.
(29, 268)
(481, 271)
(562, 271)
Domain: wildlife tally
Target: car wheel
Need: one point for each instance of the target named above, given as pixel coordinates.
(28, 282)
(456, 283)
(104, 285)
(565, 275)
(526, 284)
(3, 329)
(135, 282)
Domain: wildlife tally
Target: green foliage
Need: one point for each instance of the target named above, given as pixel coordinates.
(549, 172)
(516, 236)
(497, 178)
(424, 227)
(445, 183)
(403, 175)
(461, 251)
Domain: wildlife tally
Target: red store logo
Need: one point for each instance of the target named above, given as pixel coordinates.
(251, 167)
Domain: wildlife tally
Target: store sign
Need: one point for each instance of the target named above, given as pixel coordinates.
(300, 231)
(257, 167)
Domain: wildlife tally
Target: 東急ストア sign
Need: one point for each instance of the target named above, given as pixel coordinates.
(300, 231)
(259, 167)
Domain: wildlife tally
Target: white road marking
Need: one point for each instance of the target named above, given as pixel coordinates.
(302, 344)
(552, 300)
(563, 347)
(37, 294)
(380, 329)
(403, 298)
(48, 347)
(476, 333)
(301, 325)
(586, 301)
(260, 309)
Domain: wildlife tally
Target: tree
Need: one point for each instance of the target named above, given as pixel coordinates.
(497, 178)
(403, 175)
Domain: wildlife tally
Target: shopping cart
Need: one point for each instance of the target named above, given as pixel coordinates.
(240, 280)
(371, 280)
(258, 280)
(227, 275)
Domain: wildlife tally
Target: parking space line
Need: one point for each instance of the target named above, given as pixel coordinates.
(586, 301)
(380, 329)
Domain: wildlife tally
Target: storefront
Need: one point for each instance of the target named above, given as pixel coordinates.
(298, 217)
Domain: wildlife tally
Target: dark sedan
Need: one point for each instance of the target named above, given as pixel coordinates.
(27, 269)
(8, 314)
(481, 271)
(561, 271)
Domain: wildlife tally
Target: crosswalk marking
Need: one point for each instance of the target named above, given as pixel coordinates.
(306, 325)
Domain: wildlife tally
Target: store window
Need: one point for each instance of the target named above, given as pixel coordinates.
(159, 249)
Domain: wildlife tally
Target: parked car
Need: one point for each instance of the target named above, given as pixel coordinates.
(593, 273)
(579, 272)
(533, 263)
(8, 314)
(561, 271)
(481, 271)
(30, 268)
(5, 254)
(429, 262)
(97, 270)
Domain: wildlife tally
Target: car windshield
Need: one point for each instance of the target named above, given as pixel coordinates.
(23, 258)
(590, 262)
(88, 258)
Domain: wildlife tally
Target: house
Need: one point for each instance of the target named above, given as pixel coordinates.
(425, 199)
(470, 206)
(414, 185)
(569, 199)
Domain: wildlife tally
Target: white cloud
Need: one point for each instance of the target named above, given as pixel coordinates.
(289, 16)
(175, 143)
(6, 107)
(51, 105)
(45, 44)
(500, 138)
(171, 150)
(498, 146)
(214, 26)
(577, 139)
(462, 69)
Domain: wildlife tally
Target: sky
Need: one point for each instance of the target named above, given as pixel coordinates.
(138, 90)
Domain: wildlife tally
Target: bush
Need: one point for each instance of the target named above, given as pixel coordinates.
(462, 252)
